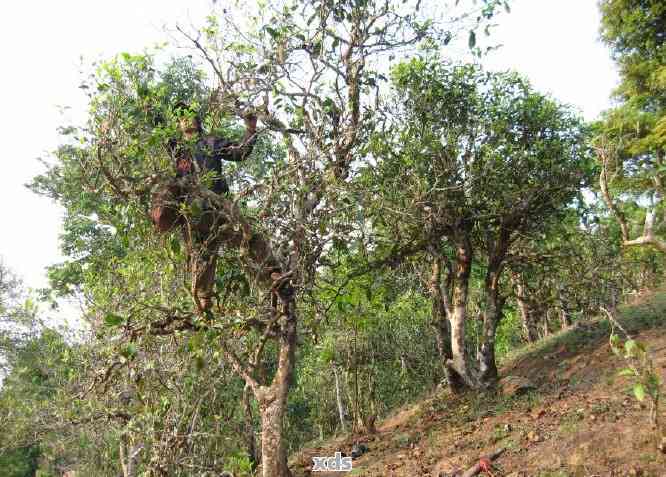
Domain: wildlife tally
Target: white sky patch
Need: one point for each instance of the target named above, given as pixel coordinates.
(41, 48)
(41, 45)
(553, 42)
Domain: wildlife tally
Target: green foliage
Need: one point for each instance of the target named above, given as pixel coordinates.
(379, 336)
(511, 149)
(477, 161)
(19, 462)
(635, 30)
(32, 398)
(632, 136)
(645, 379)
(355, 197)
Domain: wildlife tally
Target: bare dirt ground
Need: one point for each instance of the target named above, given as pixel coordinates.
(580, 420)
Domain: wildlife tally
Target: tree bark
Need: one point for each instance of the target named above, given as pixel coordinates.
(273, 400)
(250, 440)
(488, 374)
(457, 368)
(441, 307)
(273, 451)
(338, 396)
(129, 455)
(546, 324)
(648, 238)
(565, 317)
(494, 303)
(526, 313)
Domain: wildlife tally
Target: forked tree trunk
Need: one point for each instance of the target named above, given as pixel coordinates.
(234, 231)
(129, 455)
(272, 399)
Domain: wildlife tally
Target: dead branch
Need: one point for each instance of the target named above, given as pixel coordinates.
(648, 237)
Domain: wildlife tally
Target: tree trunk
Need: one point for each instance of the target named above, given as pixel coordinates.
(565, 319)
(441, 308)
(530, 329)
(231, 229)
(457, 368)
(494, 303)
(371, 416)
(546, 323)
(340, 402)
(273, 451)
(129, 456)
(250, 440)
(492, 314)
(443, 338)
(457, 371)
(527, 317)
(272, 399)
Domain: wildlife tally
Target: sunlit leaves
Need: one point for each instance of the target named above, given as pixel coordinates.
(639, 391)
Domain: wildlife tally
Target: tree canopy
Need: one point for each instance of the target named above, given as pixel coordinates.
(402, 223)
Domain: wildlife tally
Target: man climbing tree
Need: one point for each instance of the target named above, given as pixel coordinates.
(197, 156)
(317, 63)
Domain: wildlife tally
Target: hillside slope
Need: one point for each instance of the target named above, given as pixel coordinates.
(580, 420)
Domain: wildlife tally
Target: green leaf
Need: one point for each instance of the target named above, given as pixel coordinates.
(639, 391)
(614, 340)
(272, 32)
(129, 350)
(629, 347)
(175, 245)
(653, 383)
(195, 209)
(472, 39)
(627, 372)
(113, 320)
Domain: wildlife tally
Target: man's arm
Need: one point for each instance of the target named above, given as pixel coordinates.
(236, 151)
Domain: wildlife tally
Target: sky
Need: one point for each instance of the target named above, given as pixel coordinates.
(552, 42)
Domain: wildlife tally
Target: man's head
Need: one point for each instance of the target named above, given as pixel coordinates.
(189, 121)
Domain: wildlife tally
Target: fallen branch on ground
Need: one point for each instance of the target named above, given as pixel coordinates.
(483, 464)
